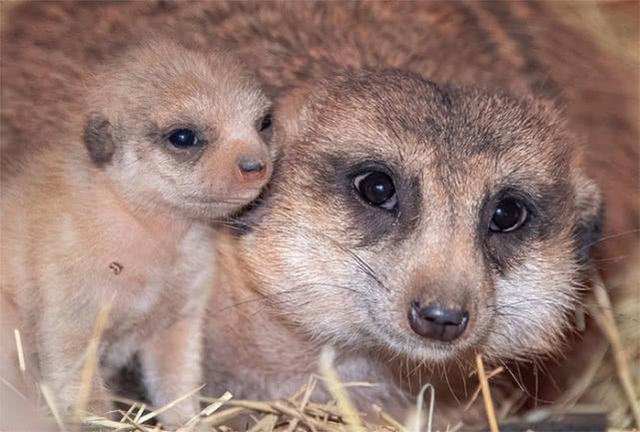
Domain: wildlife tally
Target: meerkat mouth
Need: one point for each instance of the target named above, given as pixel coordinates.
(421, 350)
(243, 221)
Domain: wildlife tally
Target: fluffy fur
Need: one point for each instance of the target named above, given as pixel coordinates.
(107, 210)
(314, 262)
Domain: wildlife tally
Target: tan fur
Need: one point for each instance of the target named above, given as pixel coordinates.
(83, 227)
(315, 279)
(293, 282)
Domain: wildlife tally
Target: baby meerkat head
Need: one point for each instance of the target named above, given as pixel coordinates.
(432, 221)
(182, 129)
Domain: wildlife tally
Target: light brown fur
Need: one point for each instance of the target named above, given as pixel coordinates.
(283, 290)
(317, 277)
(108, 211)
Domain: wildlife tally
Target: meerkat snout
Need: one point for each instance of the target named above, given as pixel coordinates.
(253, 164)
(249, 166)
(438, 322)
(254, 170)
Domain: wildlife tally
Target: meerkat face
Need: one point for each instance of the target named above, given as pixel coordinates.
(430, 221)
(181, 129)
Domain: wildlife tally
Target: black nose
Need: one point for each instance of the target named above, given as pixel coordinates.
(437, 322)
(250, 165)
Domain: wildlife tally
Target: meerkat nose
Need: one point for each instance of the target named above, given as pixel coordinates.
(437, 322)
(250, 166)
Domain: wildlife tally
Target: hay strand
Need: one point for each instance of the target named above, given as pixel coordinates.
(349, 413)
(208, 410)
(215, 406)
(476, 393)
(21, 362)
(153, 414)
(416, 422)
(91, 360)
(603, 315)
(310, 387)
(48, 398)
(486, 395)
(266, 424)
(224, 416)
(13, 388)
(388, 419)
(140, 412)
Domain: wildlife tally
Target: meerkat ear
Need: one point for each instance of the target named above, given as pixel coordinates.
(590, 215)
(99, 139)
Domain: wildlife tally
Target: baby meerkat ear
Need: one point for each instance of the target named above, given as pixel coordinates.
(99, 139)
(590, 216)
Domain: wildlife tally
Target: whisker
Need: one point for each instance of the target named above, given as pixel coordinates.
(357, 259)
(610, 236)
(269, 297)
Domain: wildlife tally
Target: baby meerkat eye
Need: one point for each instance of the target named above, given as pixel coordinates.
(509, 215)
(266, 122)
(183, 138)
(376, 189)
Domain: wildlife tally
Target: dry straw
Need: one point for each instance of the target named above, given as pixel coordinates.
(301, 413)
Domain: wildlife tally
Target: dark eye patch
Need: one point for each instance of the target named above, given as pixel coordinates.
(333, 177)
(547, 215)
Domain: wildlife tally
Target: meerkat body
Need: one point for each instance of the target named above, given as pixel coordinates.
(115, 212)
(316, 263)
(69, 251)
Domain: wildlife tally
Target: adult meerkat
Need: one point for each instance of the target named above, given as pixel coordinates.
(457, 225)
(115, 209)
(518, 47)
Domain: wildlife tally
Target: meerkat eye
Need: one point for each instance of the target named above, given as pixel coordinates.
(183, 138)
(377, 189)
(266, 122)
(509, 215)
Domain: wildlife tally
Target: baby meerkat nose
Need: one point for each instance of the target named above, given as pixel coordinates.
(437, 322)
(250, 167)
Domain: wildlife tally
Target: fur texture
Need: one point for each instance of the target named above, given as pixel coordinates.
(317, 265)
(109, 210)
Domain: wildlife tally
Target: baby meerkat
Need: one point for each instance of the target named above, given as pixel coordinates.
(116, 209)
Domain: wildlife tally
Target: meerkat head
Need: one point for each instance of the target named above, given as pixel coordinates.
(181, 129)
(432, 221)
